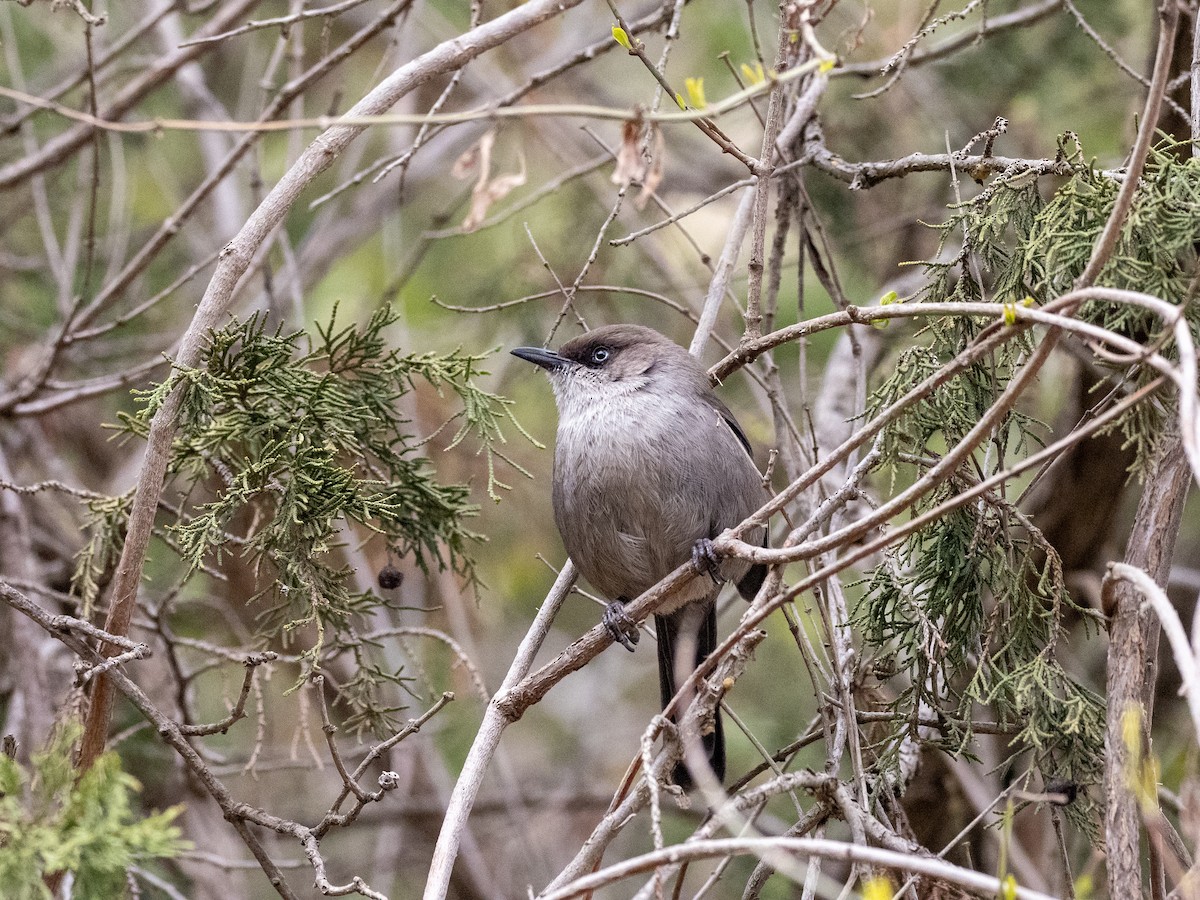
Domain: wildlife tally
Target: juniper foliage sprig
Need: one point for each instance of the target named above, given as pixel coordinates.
(969, 607)
(1155, 253)
(52, 820)
(286, 445)
(95, 563)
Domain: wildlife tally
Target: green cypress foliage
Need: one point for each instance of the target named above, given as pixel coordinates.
(283, 441)
(51, 823)
(970, 606)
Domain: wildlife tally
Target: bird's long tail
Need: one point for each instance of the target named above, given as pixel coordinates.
(672, 631)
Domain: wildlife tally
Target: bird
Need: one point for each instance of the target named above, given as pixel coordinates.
(649, 466)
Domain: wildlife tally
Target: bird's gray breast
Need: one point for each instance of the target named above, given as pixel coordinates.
(638, 480)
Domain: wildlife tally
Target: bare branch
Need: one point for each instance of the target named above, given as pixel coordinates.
(252, 662)
(785, 849)
(58, 149)
(279, 21)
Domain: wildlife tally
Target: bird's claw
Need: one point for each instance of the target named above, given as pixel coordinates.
(621, 628)
(705, 560)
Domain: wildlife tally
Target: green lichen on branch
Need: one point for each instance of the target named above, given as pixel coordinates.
(288, 447)
(96, 562)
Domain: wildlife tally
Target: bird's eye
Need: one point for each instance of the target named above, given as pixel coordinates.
(600, 355)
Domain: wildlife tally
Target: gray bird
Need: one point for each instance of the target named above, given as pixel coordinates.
(649, 467)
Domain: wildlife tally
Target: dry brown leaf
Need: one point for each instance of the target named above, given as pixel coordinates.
(630, 165)
(654, 174)
(474, 158)
(488, 190)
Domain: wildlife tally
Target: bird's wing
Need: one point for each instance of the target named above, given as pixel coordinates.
(729, 419)
(753, 579)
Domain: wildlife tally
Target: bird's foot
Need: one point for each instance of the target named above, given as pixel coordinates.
(621, 628)
(705, 560)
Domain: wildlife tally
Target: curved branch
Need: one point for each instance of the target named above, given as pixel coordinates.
(786, 849)
(495, 720)
(1018, 18)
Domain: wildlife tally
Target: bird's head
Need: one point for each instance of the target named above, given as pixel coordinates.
(614, 361)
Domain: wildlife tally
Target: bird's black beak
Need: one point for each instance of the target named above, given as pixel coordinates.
(540, 356)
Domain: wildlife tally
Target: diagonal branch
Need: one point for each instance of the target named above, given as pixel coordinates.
(235, 260)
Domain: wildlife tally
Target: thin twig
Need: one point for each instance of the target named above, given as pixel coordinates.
(993, 25)
(280, 21)
(706, 125)
(251, 662)
(16, 172)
